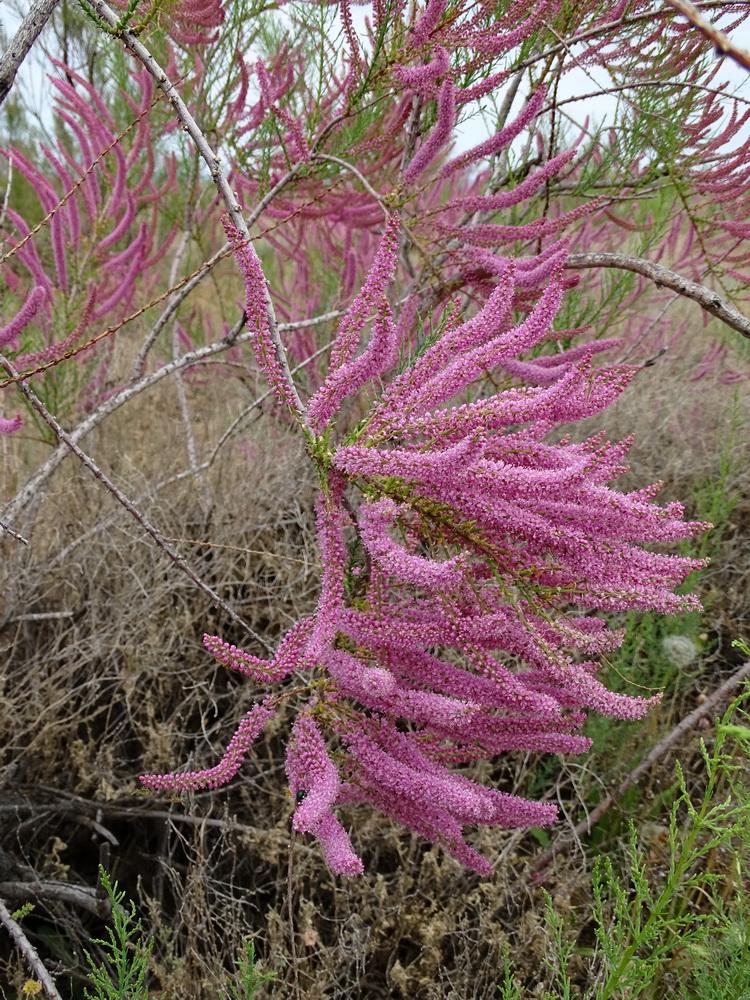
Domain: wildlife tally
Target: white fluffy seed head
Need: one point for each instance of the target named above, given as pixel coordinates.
(680, 650)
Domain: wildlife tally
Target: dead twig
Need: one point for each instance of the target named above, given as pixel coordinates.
(63, 892)
(14, 534)
(29, 952)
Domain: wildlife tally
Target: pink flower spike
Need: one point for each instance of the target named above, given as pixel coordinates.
(440, 135)
(337, 848)
(289, 656)
(47, 354)
(310, 771)
(428, 21)
(382, 350)
(506, 199)
(500, 140)
(27, 312)
(418, 76)
(314, 781)
(295, 130)
(331, 521)
(375, 519)
(375, 284)
(257, 317)
(246, 734)
(10, 426)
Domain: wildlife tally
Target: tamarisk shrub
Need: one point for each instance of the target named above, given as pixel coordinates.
(468, 549)
(464, 548)
(457, 546)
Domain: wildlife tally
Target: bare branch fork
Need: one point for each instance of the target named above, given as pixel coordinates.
(662, 277)
(186, 473)
(32, 488)
(14, 508)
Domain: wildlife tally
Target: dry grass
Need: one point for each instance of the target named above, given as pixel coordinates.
(115, 682)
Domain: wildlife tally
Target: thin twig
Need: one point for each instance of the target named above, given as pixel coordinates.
(6, 196)
(29, 952)
(213, 161)
(661, 276)
(689, 722)
(237, 548)
(64, 892)
(40, 616)
(12, 533)
(31, 27)
(360, 177)
(640, 84)
(290, 915)
(301, 324)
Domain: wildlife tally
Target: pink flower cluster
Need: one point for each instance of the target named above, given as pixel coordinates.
(469, 549)
(459, 544)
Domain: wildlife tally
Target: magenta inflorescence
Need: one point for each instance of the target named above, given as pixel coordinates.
(459, 545)
(468, 550)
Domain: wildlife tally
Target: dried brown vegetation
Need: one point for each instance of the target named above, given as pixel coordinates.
(103, 676)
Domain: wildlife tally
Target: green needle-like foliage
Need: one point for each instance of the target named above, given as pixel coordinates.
(122, 977)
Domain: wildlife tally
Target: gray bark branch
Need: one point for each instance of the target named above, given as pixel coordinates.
(29, 952)
(31, 27)
(664, 278)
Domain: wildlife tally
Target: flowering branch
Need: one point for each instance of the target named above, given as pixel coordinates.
(527, 522)
(213, 162)
(468, 552)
